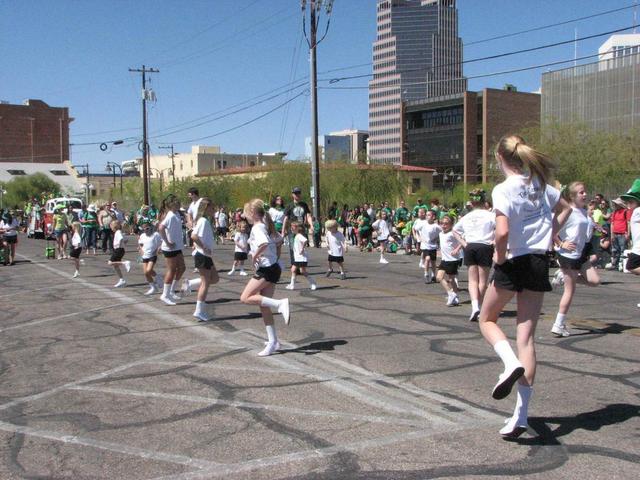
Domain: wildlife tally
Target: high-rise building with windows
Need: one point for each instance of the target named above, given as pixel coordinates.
(417, 55)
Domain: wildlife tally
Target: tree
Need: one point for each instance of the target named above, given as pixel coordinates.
(24, 188)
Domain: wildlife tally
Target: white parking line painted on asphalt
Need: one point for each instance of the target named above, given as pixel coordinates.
(110, 446)
(252, 405)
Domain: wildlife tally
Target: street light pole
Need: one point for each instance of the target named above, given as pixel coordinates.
(173, 165)
(111, 166)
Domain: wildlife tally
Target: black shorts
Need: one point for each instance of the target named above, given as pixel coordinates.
(222, 231)
(431, 253)
(271, 274)
(75, 252)
(479, 254)
(633, 261)
(153, 259)
(202, 261)
(240, 256)
(450, 268)
(526, 272)
(117, 255)
(171, 253)
(11, 239)
(571, 263)
(300, 264)
(331, 258)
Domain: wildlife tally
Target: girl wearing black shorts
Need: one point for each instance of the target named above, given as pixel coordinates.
(170, 229)
(265, 245)
(476, 232)
(149, 244)
(118, 253)
(9, 230)
(448, 268)
(573, 258)
(203, 241)
(525, 225)
(241, 242)
(76, 246)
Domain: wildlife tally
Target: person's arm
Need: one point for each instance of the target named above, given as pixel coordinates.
(460, 239)
(310, 221)
(285, 224)
(562, 211)
(162, 231)
(502, 237)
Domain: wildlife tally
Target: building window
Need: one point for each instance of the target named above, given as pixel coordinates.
(59, 173)
(415, 185)
(16, 172)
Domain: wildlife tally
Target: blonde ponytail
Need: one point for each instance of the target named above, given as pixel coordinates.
(256, 207)
(515, 152)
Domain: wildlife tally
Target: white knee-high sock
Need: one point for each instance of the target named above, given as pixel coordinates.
(271, 334)
(475, 305)
(269, 302)
(560, 319)
(173, 287)
(166, 290)
(293, 279)
(200, 306)
(506, 354)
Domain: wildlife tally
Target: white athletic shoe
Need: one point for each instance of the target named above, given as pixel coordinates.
(202, 316)
(506, 381)
(186, 289)
(453, 301)
(475, 316)
(313, 286)
(127, 265)
(270, 349)
(560, 331)
(76, 274)
(121, 283)
(383, 260)
(513, 427)
(151, 290)
(167, 300)
(243, 273)
(231, 272)
(558, 279)
(290, 287)
(175, 297)
(283, 309)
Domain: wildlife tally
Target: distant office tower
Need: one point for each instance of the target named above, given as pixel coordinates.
(417, 55)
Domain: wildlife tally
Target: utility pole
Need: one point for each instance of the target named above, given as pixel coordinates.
(145, 144)
(314, 16)
(173, 165)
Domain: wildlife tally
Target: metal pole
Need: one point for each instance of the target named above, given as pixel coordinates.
(145, 160)
(87, 182)
(315, 167)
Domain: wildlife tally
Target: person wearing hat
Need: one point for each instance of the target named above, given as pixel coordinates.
(296, 212)
(619, 231)
(632, 198)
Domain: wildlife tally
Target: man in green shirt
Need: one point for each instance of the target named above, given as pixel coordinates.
(418, 206)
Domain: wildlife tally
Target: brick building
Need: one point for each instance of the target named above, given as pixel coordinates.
(458, 132)
(34, 132)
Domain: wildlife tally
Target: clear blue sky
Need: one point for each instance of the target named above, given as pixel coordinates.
(216, 54)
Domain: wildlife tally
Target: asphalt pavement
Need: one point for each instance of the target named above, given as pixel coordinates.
(376, 379)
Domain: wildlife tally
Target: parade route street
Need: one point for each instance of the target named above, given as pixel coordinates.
(376, 379)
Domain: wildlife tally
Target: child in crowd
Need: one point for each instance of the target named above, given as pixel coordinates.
(241, 241)
(118, 253)
(203, 241)
(448, 268)
(149, 244)
(427, 230)
(337, 245)
(265, 245)
(76, 247)
(300, 259)
(382, 227)
(317, 232)
(170, 229)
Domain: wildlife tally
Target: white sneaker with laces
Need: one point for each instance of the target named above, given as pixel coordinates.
(290, 286)
(475, 316)
(558, 279)
(186, 289)
(127, 265)
(76, 274)
(167, 300)
(560, 331)
(514, 427)
(383, 260)
(231, 272)
(313, 286)
(175, 297)
(121, 283)
(283, 309)
(270, 349)
(243, 273)
(202, 316)
(151, 290)
(506, 380)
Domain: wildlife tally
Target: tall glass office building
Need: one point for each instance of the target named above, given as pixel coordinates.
(417, 55)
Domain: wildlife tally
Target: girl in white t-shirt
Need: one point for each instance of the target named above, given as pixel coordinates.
(524, 204)
(76, 246)
(118, 253)
(476, 232)
(300, 259)
(337, 246)
(170, 229)
(427, 231)
(382, 227)
(570, 244)
(265, 244)
(203, 242)
(241, 250)
(9, 230)
(450, 249)
(149, 244)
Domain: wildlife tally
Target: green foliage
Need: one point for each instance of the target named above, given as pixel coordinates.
(606, 162)
(21, 189)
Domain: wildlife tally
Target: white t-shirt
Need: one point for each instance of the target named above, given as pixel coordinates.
(193, 209)
(10, 227)
(173, 231)
(276, 215)
(477, 226)
(299, 254)
(335, 242)
(118, 239)
(382, 226)
(447, 243)
(575, 230)
(76, 240)
(149, 244)
(241, 241)
(529, 211)
(260, 236)
(222, 220)
(634, 223)
(427, 234)
(203, 230)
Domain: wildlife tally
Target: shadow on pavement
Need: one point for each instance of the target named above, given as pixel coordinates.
(316, 347)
